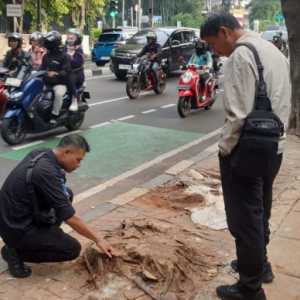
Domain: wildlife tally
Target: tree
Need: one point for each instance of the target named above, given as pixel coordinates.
(291, 10)
(264, 11)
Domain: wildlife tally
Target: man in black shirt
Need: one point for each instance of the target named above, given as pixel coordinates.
(153, 50)
(27, 236)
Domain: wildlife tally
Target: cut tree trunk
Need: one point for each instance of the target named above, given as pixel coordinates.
(291, 10)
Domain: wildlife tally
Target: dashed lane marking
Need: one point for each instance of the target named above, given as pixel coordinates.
(148, 111)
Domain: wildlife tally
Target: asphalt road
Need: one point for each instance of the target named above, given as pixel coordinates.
(123, 133)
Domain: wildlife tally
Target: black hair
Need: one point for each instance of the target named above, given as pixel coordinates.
(212, 25)
(74, 140)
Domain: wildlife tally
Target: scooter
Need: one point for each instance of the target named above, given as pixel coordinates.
(193, 94)
(140, 78)
(30, 108)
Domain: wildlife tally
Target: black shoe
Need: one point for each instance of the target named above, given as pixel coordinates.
(234, 292)
(268, 275)
(16, 266)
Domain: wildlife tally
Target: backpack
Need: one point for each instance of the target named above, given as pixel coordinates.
(257, 147)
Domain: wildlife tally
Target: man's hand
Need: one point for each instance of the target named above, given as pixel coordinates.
(107, 248)
(52, 73)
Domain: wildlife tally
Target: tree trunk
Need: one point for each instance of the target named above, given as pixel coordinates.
(291, 10)
(82, 21)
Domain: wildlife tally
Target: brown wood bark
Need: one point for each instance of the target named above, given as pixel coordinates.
(291, 10)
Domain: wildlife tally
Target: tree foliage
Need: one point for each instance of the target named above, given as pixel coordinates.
(265, 11)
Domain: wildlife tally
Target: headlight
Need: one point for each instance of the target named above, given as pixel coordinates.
(187, 77)
(135, 67)
(15, 96)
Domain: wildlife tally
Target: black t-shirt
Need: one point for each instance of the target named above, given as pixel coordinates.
(153, 48)
(16, 209)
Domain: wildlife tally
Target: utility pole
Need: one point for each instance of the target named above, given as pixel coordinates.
(123, 12)
(140, 15)
(39, 17)
(151, 12)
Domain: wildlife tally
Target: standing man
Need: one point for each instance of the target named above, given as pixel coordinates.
(248, 200)
(34, 201)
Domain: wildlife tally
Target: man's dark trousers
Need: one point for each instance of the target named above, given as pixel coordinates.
(43, 245)
(248, 203)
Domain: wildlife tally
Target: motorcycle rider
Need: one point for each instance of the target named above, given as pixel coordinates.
(202, 58)
(74, 49)
(14, 57)
(36, 51)
(153, 50)
(58, 67)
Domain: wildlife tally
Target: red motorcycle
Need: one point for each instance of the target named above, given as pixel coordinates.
(140, 78)
(197, 88)
(3, 89)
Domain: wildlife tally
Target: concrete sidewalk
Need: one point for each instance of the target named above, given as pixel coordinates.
(68, 280)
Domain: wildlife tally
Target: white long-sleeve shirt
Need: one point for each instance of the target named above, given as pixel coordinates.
(240, 76)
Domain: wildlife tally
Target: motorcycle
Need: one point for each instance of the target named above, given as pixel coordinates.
(141, 78)
(192, 93)
(30, 106)
(3, 93)
(10, 80)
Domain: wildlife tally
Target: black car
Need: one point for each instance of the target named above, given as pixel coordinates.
(177, 44)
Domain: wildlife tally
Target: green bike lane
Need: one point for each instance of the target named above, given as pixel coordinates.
(115, 149)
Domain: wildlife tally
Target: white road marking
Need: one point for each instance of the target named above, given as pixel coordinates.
(108, 101)
(68, 133)
(27, 145)
(100, 125)
(126, 118)
(101, 187)
(167, 106)
(148, 111)
(100, 77)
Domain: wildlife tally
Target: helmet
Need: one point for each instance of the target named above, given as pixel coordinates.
(200, 47)
(36, 36)
(74, 37)
(151, 37)
(52, 40)
(15, 37)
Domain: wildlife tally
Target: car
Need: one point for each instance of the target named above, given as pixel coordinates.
(107, 41)
(269, 34)
(177, 45)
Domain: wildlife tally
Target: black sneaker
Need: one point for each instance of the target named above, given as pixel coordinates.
(268, 275)
(234, 292)
(16, 266)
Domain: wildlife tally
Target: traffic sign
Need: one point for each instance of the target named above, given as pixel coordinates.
(14, 10)
(279, 18)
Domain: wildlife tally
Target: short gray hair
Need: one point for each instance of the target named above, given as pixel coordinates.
(74, 140)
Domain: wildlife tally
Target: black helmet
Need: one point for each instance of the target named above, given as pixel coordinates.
(52, 40)
(200, 47)
(74, 37)
(151, 37)
(36, 36)
(15, 37)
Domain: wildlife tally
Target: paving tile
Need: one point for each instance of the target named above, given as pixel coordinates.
(285, 255)
(283, 288)
(290, 226)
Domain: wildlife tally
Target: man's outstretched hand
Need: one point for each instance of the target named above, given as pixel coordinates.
(107, 248)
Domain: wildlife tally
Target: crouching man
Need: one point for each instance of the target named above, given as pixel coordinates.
(34, 201)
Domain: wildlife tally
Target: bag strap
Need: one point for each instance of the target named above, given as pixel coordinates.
(30, 187)
(262, 101)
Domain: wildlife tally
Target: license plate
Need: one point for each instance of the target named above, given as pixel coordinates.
(13, 82)
(184, 87)
(105, 57)
(124, 67)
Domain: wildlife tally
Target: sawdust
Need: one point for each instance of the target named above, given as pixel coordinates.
(161, 259)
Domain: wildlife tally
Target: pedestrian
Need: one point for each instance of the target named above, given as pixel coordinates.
(248, 199)
(34, 201)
